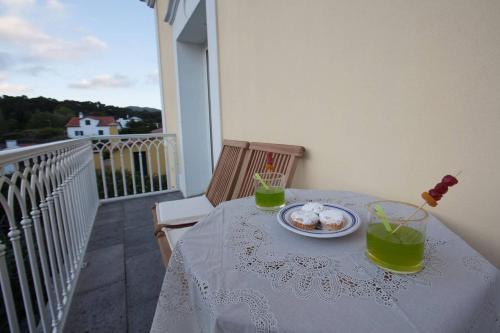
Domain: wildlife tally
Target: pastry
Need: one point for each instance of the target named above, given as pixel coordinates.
(331, 219)
(304, 220)
(314, 207)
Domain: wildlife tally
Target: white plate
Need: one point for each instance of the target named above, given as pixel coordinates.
(352, 222)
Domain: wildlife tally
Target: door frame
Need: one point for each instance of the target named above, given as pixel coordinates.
(179, 18)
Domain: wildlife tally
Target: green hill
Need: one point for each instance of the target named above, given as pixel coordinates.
(42, 119)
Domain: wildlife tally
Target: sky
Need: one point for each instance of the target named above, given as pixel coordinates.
(87, 50)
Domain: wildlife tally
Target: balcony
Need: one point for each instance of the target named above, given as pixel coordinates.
(77, 251)
(123, 253)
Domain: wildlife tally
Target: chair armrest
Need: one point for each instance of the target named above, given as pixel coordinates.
(177, 226)
(158, 226)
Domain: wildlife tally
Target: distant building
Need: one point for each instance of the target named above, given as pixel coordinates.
(123, 122)
(158, 130)
(91, 126)
(10, 144)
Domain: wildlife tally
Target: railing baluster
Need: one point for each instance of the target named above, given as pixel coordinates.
(52, 260)
(14, 199)
(55, 244)
(103, 175)
(175, 162)
(8, 300)
(122, 167)
(158, 166)
(167, 162)
(113, 175)
(150, 168)
(141, 169)
(132, 167)
(61, 235)
(45, 270)
(26, 196)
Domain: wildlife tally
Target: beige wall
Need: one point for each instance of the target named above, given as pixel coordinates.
(154, 154)
(387, 97)
(167, 75)
(167, 67)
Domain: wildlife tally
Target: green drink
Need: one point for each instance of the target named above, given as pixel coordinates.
(271, 198)
(400, 252)
(269, 190)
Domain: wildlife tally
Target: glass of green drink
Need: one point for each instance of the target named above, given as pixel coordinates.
(270, 191)
(398, 251)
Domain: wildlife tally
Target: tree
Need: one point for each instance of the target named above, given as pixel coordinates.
(2, 122)
(64, 112)
(138, 127)
(42, 119)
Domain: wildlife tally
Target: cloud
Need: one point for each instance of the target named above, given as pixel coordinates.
(42, 45)
(55, 5)
(16, 4)
(9, 88)
(152, 78)
(35, 70)
(103, 81)
(5, 60)
(59, 49)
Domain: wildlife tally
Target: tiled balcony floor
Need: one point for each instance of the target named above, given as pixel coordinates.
(118, 288)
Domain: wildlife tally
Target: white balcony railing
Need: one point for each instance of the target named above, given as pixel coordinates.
(49, 195)
(133, 165)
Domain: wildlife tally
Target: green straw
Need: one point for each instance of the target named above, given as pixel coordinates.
(262, 182)
(379, 211)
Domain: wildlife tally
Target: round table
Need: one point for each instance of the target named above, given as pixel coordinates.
(238, 270)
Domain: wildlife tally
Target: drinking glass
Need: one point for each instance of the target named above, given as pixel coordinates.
(402, 249)
(271, 194)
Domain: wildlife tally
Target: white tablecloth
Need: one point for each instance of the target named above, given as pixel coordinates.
(238, 270)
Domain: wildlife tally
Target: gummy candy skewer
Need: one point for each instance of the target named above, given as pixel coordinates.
(403, 222)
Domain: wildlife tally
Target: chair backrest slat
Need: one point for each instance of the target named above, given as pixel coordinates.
(226, 171)
(285, 162)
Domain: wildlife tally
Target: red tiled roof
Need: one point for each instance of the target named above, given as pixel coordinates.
(103, 121)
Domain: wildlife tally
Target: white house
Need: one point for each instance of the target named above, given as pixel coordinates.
(123, 122)
(91, 126)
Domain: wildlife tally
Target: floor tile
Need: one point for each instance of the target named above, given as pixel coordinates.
(139, 240)
(110, 217)
(103, 267)
(140, 317)
(111, 207)
(138, 218)
(145, 273)
(106, 235)
(101, 310)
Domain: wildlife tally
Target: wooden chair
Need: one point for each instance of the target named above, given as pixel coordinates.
(285, 162)
(171, 219)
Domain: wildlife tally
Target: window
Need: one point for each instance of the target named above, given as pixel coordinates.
(87, 122)
(100, 132)
(78, 133)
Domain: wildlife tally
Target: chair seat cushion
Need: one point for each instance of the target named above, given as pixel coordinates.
(184, 210)
(174, 235)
